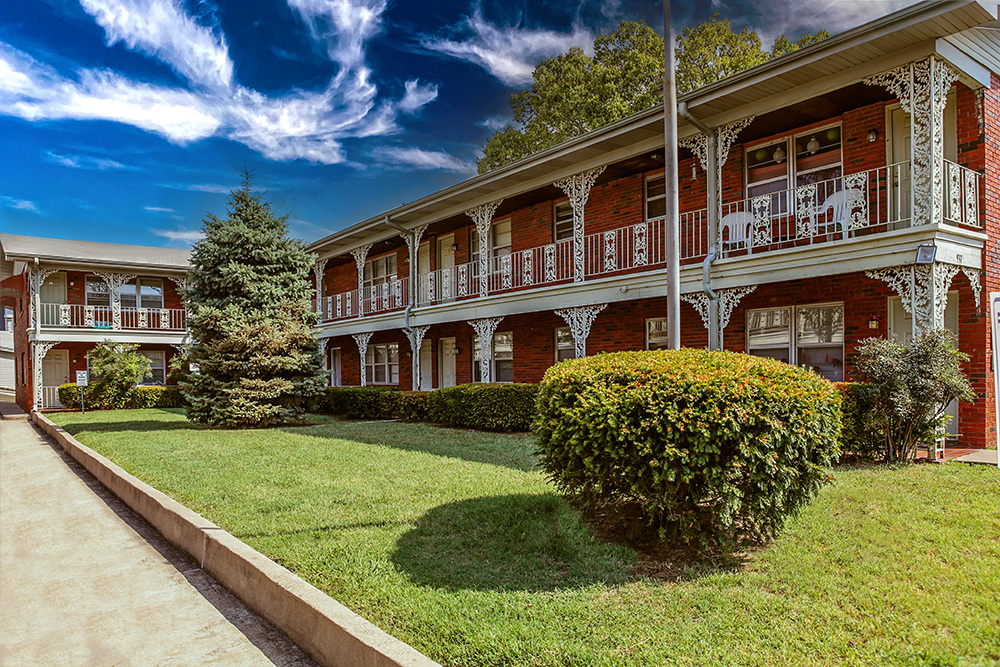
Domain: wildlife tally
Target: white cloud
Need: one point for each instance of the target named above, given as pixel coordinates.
(392, 156)
(88, 162)
(508, 53)
(307, 125)
(497, 123)
(158, 209)
(163, 30)
(200, 187)
(19, 204)
(793, 18)
(417, 95)
(183, 236)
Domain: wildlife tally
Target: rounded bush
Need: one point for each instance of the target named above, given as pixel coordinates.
(714, 448)
(486, 407)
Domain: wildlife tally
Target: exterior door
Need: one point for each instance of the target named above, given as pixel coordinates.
(446, 362)
(426, 368)
(334, 368)
(55, 372)
(447, 286)
(901, 331)
(52, 294)
(423, 270)
(900, 150)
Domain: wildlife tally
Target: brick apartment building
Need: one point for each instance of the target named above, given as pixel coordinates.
(847, 190)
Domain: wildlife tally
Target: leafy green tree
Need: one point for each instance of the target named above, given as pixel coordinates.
(908, 388)
(573, 93)
(249, 315)
(116, 369)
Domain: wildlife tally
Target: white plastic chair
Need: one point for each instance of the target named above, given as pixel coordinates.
(740, 226)
(842, 203)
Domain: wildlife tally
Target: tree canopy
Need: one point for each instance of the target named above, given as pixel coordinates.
(249, 316)
(574, 93)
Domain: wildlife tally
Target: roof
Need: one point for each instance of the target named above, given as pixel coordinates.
(876, 46)
(26, 248)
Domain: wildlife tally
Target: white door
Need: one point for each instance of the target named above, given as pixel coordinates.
(55, 372)
(901, 331)
(334, 361)
(900, 151)
(426, 368)
(446, 252)
(423, 271)
(447, 285)
(446, 362)
(53, 292)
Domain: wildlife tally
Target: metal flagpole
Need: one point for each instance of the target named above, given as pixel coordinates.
(671, 184)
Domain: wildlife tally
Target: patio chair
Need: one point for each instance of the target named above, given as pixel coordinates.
(842, 203)
(740, 226)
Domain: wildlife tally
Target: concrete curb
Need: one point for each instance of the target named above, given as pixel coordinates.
(330, 632)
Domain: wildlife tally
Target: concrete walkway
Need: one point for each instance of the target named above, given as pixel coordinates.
(84, 581)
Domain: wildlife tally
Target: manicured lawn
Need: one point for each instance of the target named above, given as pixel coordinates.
(455, 543)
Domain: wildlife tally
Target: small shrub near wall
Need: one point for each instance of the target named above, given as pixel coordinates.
(860, 439)
(486, 407)
(367, 403)
(714, 448)
(99, 396)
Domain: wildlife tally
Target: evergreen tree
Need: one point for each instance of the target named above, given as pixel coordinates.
(249, 316)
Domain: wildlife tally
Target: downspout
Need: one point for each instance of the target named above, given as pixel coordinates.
(715, 339)
(415, 364)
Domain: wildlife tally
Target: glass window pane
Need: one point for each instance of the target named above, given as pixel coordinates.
(563, 221)
(781, 354)
(393, 350)
(827, 361)
(504, 371)
(769, 327)
(97, 292)
(503, 345)
(821, 324)
(656, 334)
(379, 373)
(390, 265)
(151, 293)
(128, 297)
(656, 187)
(380, 354)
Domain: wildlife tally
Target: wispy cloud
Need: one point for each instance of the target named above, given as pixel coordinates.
(498, 122)
(19, 204)
(200, 187)
(158, 209)
(508, 53)
(185, 237)
(307, 125)
(88, 162)
(397, 156)
(793, 18)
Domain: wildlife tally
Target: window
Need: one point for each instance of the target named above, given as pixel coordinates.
(656, 197)
(97, 293)
(562, 221)
(500, 240)
(810, 157)
(379, 271)
(656, 334)
(139, 292)
(157, 357)
(811, 336)
(382, 364)
(565, 346)
(503, 358)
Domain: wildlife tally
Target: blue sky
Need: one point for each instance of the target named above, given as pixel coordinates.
(128, 120)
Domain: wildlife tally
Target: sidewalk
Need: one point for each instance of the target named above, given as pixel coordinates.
(83, 581)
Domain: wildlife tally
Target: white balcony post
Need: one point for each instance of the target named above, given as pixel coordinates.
(482, 216)
(115, 282)
(416, 337)
(36, 278)
(362, 340)
(725, 305)
(40, 349)
(412, 239)
(318, 271)
(577, 187)
(360, 255)
(922, 289)
(580, 320)
(485, 328)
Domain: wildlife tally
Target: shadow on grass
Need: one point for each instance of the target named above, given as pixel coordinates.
(139, 426)
(515, 451)
(508, 543)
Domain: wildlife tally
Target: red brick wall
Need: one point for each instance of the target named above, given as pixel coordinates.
(989, 147)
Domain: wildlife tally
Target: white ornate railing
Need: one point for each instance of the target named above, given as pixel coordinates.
(76, 315)
(961, 195)
(50, 398)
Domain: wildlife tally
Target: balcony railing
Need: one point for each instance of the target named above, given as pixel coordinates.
(79, 316)
(49, 398)
(859, 204)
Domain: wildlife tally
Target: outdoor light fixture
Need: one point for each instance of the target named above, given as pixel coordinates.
(694, 172)
(926, 252)
(812, 146)
(779, 154)
(872, 135)
(874, 322)
(454, 246)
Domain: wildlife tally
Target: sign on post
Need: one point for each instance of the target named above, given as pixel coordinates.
(995, 326)
(82, 379)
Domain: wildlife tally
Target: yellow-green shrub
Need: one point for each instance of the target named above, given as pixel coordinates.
(486, 407)
(714, 447)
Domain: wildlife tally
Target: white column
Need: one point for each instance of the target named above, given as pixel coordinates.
(922, 289)
(362, 340)
(485, 328)
(360, 256)
(36, 278)
(416, 337)
(318, 272)
(115, 282)
(577, 187)
(39, 350)
(580, 320)
(483, 217)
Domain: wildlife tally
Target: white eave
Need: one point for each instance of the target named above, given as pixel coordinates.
(88, 255)
(927, 27)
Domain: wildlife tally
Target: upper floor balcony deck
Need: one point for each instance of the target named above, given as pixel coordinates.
(861, 204)
(80, 316)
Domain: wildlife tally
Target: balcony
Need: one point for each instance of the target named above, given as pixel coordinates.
(860, 204)
(79, 316)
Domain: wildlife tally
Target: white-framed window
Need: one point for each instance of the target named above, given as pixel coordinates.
(656, 333)
(500, 239)
(136, 293)
(656, 197)
(810, 157)
(97, 292)
(379, 271)
(159, 366)
(565, 345)
(382, 363)
(502, 368)
(562, 221)
(810, 335)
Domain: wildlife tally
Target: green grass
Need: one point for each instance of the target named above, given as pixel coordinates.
(454, 542)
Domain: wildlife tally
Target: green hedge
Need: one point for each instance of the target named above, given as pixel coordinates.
(714, 448)
(366, 403)
(100, 396)
(410, 405)
(860, 440)
(486, 407)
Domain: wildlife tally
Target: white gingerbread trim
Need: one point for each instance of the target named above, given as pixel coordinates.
(577, 187)
(485, 328)
(580, 319)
